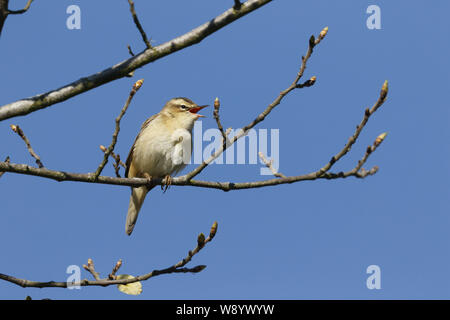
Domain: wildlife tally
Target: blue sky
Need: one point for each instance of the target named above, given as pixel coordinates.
(309, 240)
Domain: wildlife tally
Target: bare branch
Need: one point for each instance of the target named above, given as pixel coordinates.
(269, 164)
(4, 11)
(90, 267)
(351, 141)
(116, 268)
(123, 69)
(7, 160)
(25, 9)
(111, 279)
(219, 124)
(110, 149)
(117, 162)
(312, 43)
(130, 51)
(21, 134)
(186, 180)
(138, 25)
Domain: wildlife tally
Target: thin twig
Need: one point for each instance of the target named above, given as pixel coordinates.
(138, 25)
(25, 9)
(117, 161)
(176, 268)
(269, 164)
(110, 149)
(116, 268)
(90, 267)
(219, 124)
(351, 141)
(130, 51)
(21, 134)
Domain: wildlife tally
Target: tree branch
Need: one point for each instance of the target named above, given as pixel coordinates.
(21, 134)
(111, 279)
(4, 11)
(122, 69)
(312, 43)
(7, 160)
(110, 149)
(269, 164)
(186, 180)
(25, 9)
(138, 25)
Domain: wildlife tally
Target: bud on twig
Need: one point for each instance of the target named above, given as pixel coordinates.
(103, 148)
(201, 240)
(213, 231)
(216, 103)
(312, 41)
(323, 33)
(384, 90)
(138, 84)
(198, 268)
(380, 139)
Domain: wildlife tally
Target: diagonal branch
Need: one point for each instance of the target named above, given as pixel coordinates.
(21, 134)
(111, 279)
(117, 161)
(138, 25)
(216, 116)
(110, 149)
(122, 69)
(294, 85)
(269, 164)
(351, 141)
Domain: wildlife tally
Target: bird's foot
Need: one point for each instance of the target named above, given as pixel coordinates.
(148, 177)
(167, 183)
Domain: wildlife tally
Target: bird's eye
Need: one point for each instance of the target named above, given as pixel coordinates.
(183, 107)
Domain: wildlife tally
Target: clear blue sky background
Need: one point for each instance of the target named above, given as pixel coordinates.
(310, 240)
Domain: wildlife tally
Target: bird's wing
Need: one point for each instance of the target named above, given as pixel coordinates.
(130, 155)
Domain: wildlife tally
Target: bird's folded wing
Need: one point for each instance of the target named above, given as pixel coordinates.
(130, 154)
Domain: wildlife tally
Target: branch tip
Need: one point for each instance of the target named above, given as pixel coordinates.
(384, 90)
(380, 139)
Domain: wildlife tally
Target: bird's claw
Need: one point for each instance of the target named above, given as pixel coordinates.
(148, 177)
(167, 183)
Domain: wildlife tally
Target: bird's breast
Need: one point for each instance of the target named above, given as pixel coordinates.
(160, 152)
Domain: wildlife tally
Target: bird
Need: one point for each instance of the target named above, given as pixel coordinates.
(162, 148)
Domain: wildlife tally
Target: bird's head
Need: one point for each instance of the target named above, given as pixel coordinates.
(183, 111)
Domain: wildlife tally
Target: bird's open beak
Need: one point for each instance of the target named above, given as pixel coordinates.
(197, 109)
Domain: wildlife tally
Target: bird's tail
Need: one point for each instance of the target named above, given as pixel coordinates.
(136, 200)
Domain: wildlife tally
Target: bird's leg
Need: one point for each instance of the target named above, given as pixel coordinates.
(167, 183)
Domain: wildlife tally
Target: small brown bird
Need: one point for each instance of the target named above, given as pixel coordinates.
(162, 148)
